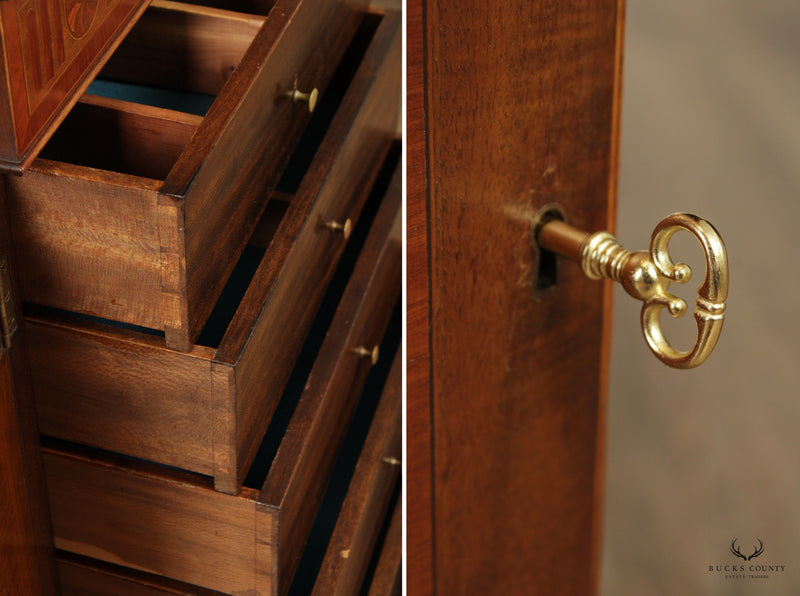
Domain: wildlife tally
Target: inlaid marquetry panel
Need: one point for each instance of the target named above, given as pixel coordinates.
(51, 49)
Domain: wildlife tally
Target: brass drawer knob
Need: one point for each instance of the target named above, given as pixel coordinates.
(647, 276)
(372, 354)
(345, 228)
(310, 98)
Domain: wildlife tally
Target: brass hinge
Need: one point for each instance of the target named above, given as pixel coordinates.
(8, 310)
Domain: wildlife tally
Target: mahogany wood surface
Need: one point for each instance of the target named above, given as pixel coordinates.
(50, 53)
(172, 523)
(205, 46)
(27, 558)
(317, 429)
(388, 577)
(521, 110)
(122, 136)
(287, 275)
(368, 497)
(87, 577)
(419, 455)
(313, 39)
(204, 410)
(211, 198)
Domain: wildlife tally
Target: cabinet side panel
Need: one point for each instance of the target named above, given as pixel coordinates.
(517, 372)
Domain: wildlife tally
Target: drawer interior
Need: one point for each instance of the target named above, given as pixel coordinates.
(80, 573)
(93, 472)
(141, 112)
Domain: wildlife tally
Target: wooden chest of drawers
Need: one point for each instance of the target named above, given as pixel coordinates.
(138, 214)
(205, 297)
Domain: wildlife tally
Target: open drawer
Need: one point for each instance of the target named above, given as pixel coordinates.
(344, 555)
(138, 213)
(174, 524)
(124, 391)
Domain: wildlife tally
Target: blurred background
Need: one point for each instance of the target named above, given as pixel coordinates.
(710, 125)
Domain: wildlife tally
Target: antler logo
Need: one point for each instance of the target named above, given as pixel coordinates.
(735, 550)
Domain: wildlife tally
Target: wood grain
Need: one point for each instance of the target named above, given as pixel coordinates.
(121, 136)
(47, 65)
(87, 577)
(217, 174)
(388, 577)
(305, 460)
(88, 241)
(205, 46)
(27, 559)
(368, 497)
(152, 522)
(303, 259)
(205, 411)
(253, 120)
(143, 400)
(516, 374)
(419, 448)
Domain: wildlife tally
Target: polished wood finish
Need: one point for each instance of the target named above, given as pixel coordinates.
(368, 497)
(517, 372)
(316, 430)
(388, 577)
(49, 53)
(27, 561)
(175, 524)
(147, 262)
(419, 447)
(205, 46)
(205, 410)
(86, 577)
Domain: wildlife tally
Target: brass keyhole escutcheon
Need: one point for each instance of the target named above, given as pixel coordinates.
(647, 275)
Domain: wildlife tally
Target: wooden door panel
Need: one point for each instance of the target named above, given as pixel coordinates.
(521, 109)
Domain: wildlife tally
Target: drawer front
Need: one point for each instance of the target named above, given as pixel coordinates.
(203, 410)
(50, 52)
(123, 238)
(369, 496)
(175, 524)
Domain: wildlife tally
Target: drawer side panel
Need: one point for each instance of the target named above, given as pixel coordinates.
(167, 527)
(97, 389)
(87, 241)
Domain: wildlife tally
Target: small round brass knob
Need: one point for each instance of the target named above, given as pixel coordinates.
(310, 98)
(366, 352)
(345, 228)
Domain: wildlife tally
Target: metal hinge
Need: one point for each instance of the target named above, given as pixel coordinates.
(8, 310)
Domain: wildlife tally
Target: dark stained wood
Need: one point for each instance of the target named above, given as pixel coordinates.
(286, 272)
(205, 411)
(49, 55)
(368, 497)
(517, 375)
(86, 577)
(301, 469)
(419, 454)
(27, 561)
(205, 46)
(121, 136)
(225, 198)
(388, 577)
